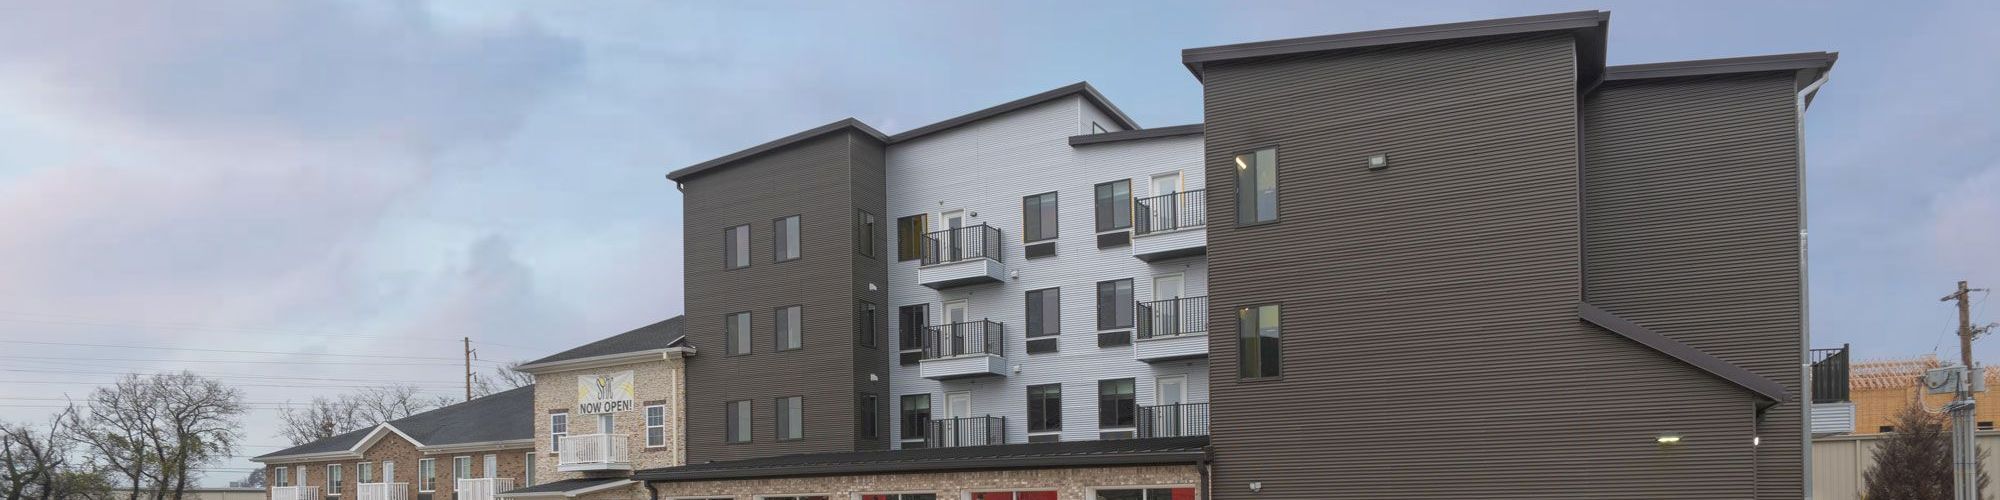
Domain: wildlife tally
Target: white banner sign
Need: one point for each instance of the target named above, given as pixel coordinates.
(605, 393)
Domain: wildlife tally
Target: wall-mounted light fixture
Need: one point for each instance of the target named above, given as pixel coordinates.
(1378, 162)
(1668, 438)
(1256, 486)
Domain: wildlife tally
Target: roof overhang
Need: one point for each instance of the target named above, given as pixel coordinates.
(1133, 135)
(1765, 388)
(381, 430)
(838, 126)
(308, 457)
(1088, 92)
(1588, 26)
(479, 446)
(569, 493)
(1807, 67)
(622, 358)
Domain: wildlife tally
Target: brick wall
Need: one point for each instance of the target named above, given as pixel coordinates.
(654, 382)
(393, 448)
(1070, 483)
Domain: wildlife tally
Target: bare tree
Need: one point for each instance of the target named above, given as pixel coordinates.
(157, 431)
(503, 378)
(1914, 463)
(326, 417)
(44, 463)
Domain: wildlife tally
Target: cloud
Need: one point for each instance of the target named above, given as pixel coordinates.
(1965, 228)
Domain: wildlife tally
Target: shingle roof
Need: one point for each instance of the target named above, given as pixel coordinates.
(1006, 456)
(566, 485)
(659, 335)
(502, 416)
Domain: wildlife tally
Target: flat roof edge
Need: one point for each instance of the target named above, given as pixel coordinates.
(781, 142)
(1133, 135)
(1195, 57)
(1822, 61)
(1089, 93)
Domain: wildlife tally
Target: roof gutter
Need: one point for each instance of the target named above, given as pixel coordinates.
(606, 360)
(478, 446)
(307, 457)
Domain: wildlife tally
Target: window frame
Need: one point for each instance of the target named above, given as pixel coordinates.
(456, 468)
(650, 426)
(1277, 183)
(779, 233)
(867, 233)
(779, 318)
(335, 475)
(868, 418)
(923, 428)
(364, 473)
(556, 437)
(528, 469)
(905, 328)
(730, 333)
(868, 323)
(910, 238)
(1242, 361)
(1045, 215)
(283, 475)
(1115, 304)
(739, 419)
(1044, 401)
(788, 410)
(1037, 302)
(426, 474)
(1129, 399)
(731, 249)
(1098, 206)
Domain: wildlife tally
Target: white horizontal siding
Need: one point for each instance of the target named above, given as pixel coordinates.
(986, 168)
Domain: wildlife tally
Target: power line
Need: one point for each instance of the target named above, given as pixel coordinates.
(233, 361)
(220, 375)
(233, 351)
(290, 386)
(89, 321)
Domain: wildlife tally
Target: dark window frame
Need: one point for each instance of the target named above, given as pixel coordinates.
(732, 425)
(867, 233)
(781, 414)
(907, 331)
(868, 323)
(1040, 410)
(778, 231)
(922, 425)
(1113, 321)
(1035, 302)
(1044, 227)
(1277, 188)
(1276, 366)
(1114, 410)
(868, 416)
(1098, 206)
(730, 248)
(730, 346)
(778, 334)
(910, 233)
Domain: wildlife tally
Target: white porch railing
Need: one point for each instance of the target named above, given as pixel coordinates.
(594, 449)
(483, 488)
(382, 491)
(295, 493)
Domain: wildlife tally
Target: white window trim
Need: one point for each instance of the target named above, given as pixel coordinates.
(359, 466)
(528, 469)
(284, 475)
(1091, 492)
(555, 438)
(649, 427)
(432, 477)
(454, 469)
(491, 465)
(333, 490)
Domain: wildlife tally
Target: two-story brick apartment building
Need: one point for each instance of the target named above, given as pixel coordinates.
(607, 408)
(466, 451)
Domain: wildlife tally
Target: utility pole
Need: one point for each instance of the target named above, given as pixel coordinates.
(468, 366)
(1964, 460)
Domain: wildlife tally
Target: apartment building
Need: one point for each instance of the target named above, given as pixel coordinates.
(467, 451)
(607, 408)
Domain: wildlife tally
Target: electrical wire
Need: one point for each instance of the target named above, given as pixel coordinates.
(233, 351)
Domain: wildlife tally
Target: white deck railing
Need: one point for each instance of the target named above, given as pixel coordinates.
(295, 493)
(593, 449)
(382, 491)
(484, 488)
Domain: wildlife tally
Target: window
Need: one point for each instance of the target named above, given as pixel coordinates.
(1115, 403)
(1985, 426)
(867, 231)
(869, 418)
(461, 468)
(1015, 495)
(910, 232)
(1114, 304)
(334, 478)
(364, 473)
(528, 472)
(899, 496)
(867, 323)
(1145, 494)
(606, 423)
(736, 247)
(1038, 217)
(790, 414)
(736, 334)
(1114, 205)
(1257, 186)
(283, 476)
(388, 471)
(1258, 342)
(491, 467)
(427, 474)
(1044, 408)
(785, 324)
(916, 417)
(656, 426)
(738, 423)
(301, 480)
(910, 323)
(785, 239)
(558, 430)
(1044, 312)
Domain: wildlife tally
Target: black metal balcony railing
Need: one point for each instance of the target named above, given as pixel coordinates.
(1167, 318)
(971, 337)
(1829, 375)
(965, 243)
(1170, 211)
(969, 431)
(1176, 420)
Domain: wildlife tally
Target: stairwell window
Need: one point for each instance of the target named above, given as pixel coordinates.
(1038, 217)
(867, 233)
(790, 415)
(1259, 342)
(867, 323)
(558, 430)
(785, 322)
(869, 418)
(1257, 186)
(656, 426)
(785, 239)
(736, 247)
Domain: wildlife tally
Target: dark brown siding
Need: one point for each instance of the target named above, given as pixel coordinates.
(814, 179)
(871, 194)
(1432, 347)
(1692, 229)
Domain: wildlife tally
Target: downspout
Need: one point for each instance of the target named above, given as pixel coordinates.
(1202, 470)
(653, 493)
(1804, 98)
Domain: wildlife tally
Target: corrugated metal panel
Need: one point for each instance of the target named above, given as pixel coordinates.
(985, 168)
(1432, 346)
(1693, 229)
(815, 180)
(1833, 418)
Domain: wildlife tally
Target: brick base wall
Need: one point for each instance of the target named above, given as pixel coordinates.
(1070, 483)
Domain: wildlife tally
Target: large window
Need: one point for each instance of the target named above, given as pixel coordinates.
(1044, 312)
(869, 416)
(736, 247)
(910, 323)
(558, 430)
(910, 232)
(1044, 408)
(1259, 342)
(334, 478)
(737, 423)
(791, 418)
(427, 479)
(736, 333)
(1145, 494)
(785, 325)
(1114, 205)
(1015, 495)
(1038, 217)
(1114, 304)
(916, 418)
(656, 426)
(1257, 186)
(785, 239)
(867, 233)
(1116, 405)
(867, 323)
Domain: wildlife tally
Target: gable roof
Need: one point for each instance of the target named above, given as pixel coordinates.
(501, 416)
(1174, 450)
(664, 334)
(1588, 26)
(1756, 384)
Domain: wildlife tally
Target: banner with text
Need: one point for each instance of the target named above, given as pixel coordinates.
(605, 393)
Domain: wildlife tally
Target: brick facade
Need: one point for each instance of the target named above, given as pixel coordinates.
(1069, 483)
(393, 448)
(656, 381)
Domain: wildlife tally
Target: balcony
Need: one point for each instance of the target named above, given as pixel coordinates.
(482, 489)
(593, 452)
(295, 493)
(382, 491)
(1832, 412)
(1172, 329)
(1175, 420)
(969, 431)
(961, 256)
(1170, 225)
(961, 350)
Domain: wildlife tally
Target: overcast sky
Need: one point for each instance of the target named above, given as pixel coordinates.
(315, 177)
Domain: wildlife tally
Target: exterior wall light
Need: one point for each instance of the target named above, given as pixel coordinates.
(1378, 162)
(1668, 438)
